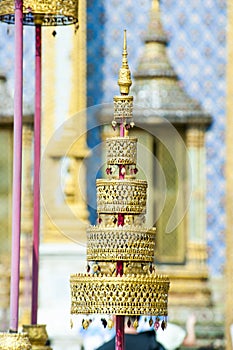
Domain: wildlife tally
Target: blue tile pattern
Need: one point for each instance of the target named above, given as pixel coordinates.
(198, 52)
(197, 49)
(7, 60)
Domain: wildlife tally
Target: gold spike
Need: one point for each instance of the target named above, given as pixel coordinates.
(155, 5)
(124, 80)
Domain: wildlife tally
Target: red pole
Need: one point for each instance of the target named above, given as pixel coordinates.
(36, 186)
(120, 320)
(17, 168)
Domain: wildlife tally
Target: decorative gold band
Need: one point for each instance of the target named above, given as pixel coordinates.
(121, 150)
(16, 341)
(126, 295)
(123, 107)
(120, 243)
(48, 13)
(121, 196)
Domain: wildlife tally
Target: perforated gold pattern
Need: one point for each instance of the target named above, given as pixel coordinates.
(120, 243)
(121, 150)
(48, 13)
(123, 107)
(125, 295)
(121, 196)
(121, 278)
(14, 341)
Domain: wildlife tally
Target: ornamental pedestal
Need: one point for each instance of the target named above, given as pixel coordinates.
(38, 336)
(14, 341)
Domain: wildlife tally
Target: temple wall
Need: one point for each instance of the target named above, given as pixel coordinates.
(197, 50)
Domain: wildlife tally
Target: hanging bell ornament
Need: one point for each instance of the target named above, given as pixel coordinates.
(163, 325)
(71, 323)
(85, 323)
(114, 124)
(95, 267)
(104, 322)
(110, 323)
(132, 124)
(150, 321)
(135, 324)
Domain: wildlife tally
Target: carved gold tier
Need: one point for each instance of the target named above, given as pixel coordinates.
(121, 196)
(123, 108)
(14, 341)
(125, 295)
(48, 13)
(127, 243)
(121, 150)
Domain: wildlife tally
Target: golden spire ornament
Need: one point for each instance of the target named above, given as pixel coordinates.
(155, 5)
(121, 278)
(124, 80)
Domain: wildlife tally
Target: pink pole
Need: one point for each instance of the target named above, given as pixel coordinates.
(17, 168)
(37, 155)
(120, 320)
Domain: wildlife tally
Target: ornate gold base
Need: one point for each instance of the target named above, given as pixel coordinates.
(14, 341)
(38, 336)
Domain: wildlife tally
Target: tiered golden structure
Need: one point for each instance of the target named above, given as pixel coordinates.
(121, 278)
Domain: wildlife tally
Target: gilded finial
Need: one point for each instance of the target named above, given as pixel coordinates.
(124, 80)
(155, 5)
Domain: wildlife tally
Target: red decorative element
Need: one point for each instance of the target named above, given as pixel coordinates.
(108, 171)
(120, 339)
(121, 174)
(99, 220)
(120, 221)
(19, 5)
(156, 324)
(122, 130)
(119, 268)
(133, 171)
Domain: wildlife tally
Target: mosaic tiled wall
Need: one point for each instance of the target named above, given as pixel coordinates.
(7, 60)
(197, 49)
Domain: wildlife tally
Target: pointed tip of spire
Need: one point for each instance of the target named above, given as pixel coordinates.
(155, 5)
(125, 40)
(124, 80)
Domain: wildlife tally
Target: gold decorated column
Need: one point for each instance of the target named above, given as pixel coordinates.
(73, 123)
(196, 245)
(229, 182)
(26, 224)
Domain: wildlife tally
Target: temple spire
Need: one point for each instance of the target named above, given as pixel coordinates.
(124, 80)
(155, 5)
